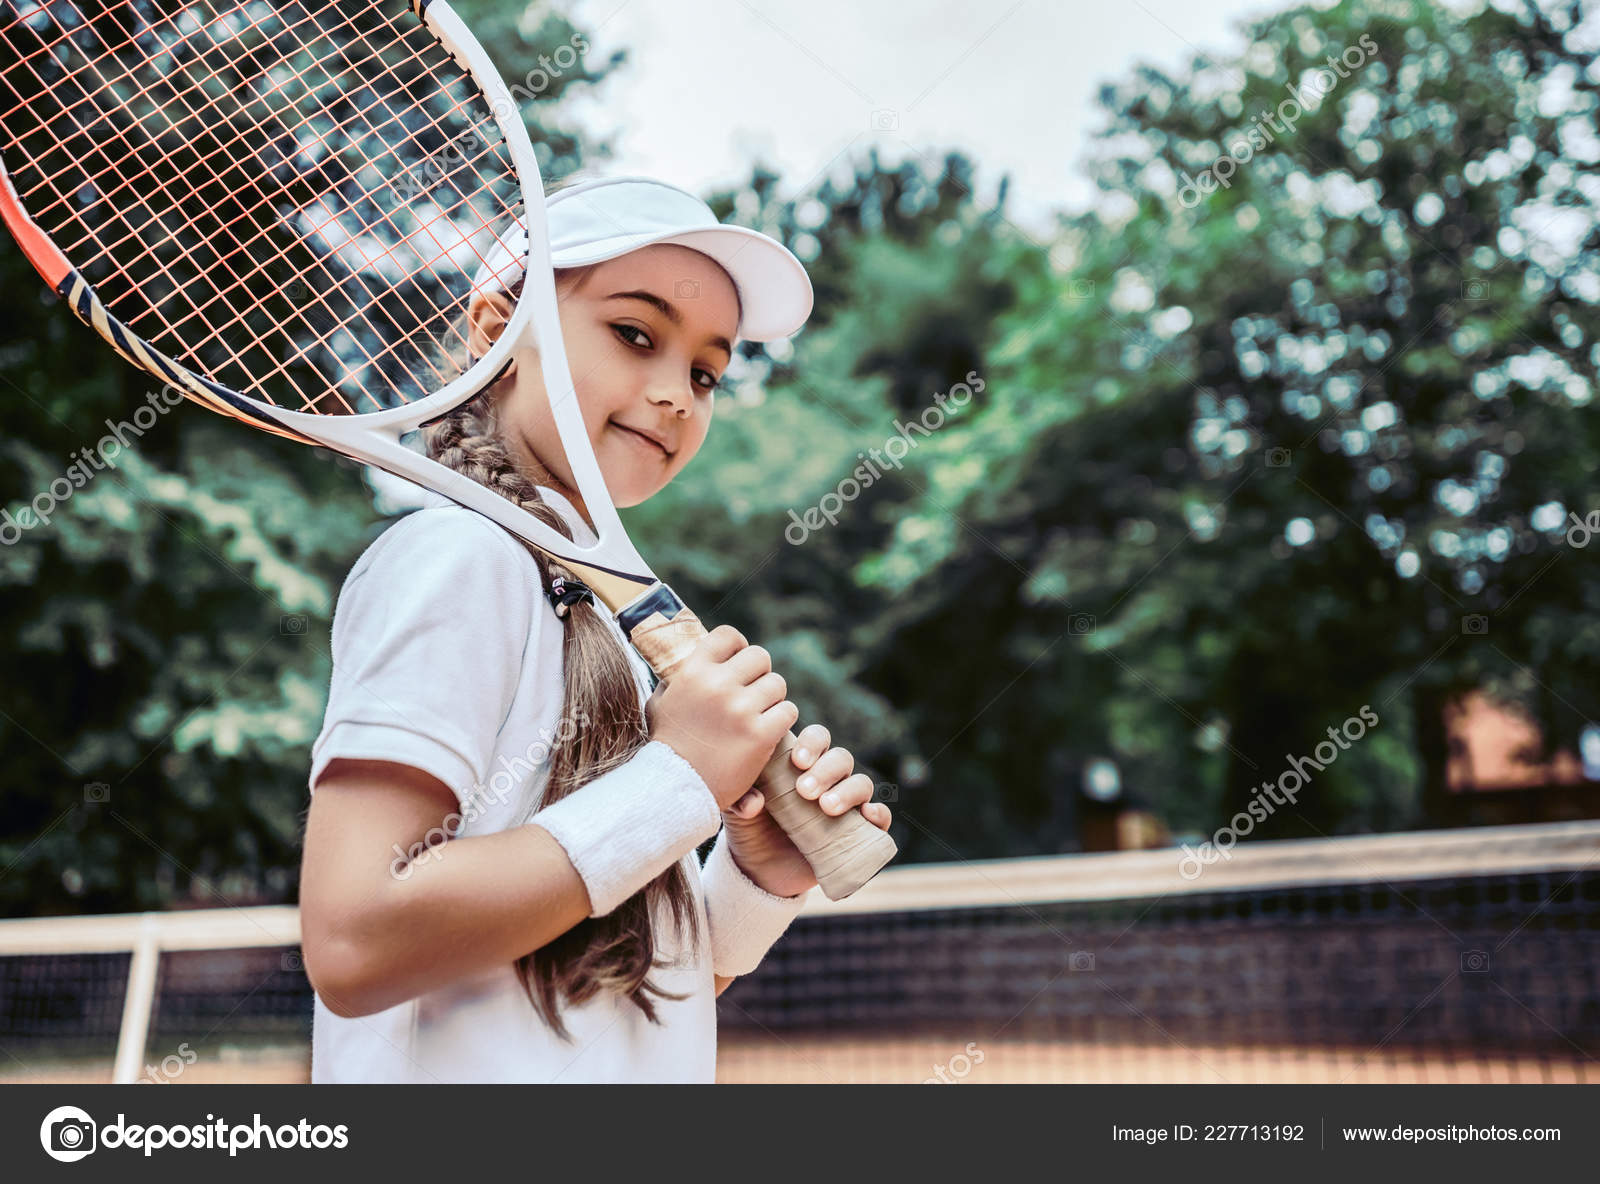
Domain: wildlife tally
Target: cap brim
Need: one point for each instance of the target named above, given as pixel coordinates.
(774, 290)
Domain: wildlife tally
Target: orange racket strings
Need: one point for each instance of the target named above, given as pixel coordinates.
(289, 198)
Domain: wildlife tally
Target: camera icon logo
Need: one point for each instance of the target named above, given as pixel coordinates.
(1080, 960)
(1278, 458)
(1080, 290)
(97, 791)
(1475, 289)
(886, 120)
(886, 791)
(67, 1134)
(292, 625)
(1474, 962)
(686, 289)
(1475, 624)
(1080, 624)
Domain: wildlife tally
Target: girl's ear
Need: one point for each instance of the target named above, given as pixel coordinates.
(487, 314)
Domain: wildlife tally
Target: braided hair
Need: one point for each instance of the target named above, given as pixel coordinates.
(601, 707)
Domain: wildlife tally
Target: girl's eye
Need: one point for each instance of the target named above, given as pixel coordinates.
(631, 329)
(622, 330)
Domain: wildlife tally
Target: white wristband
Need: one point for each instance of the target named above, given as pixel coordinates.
(745, 919)
(624, 829)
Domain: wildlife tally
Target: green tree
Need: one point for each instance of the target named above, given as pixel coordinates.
(1305, 442)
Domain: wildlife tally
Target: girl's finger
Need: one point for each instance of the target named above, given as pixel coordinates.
(749, 805)
(847, 795)
(831, 768)
(877, 814)
(812, 742)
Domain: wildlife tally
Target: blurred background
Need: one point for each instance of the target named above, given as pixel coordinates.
(1236, 366)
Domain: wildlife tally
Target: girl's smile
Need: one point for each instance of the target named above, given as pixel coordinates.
(650, 441)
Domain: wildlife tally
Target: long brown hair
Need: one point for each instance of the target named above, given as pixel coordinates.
(615, 952)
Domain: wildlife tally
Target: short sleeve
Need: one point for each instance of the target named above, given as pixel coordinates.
(430, 634)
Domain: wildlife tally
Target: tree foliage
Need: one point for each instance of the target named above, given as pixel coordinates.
(1229, 470)
(1309, 443)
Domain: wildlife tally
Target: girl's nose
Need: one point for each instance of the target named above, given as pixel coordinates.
(673, 395)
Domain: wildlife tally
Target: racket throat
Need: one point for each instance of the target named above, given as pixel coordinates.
(661, 628)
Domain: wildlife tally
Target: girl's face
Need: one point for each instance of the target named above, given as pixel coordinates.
(648, 336)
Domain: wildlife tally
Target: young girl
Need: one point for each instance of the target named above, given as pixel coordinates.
(500, 881)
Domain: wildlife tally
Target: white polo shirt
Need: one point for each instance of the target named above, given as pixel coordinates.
(447, 656)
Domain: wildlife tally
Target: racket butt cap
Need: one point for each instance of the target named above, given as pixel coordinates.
(859, 864)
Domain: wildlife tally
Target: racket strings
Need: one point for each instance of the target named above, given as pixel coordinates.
(165, 158)
(181, 326)
(289, 198)
(198, 114)
(193, 192)
(144, 93)
(371, 129)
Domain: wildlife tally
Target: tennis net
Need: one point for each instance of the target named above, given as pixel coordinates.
(1463, 956)
(1460, 956)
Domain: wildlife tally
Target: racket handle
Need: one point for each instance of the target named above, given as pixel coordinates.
(844, 851)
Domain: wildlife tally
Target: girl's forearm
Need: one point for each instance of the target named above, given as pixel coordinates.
(429, 922)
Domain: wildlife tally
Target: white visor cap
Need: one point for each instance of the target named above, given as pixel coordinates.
(601, 219)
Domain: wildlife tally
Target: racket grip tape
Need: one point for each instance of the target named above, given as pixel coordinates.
(844, 851)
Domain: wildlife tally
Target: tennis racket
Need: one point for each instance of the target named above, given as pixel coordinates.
(278, 209)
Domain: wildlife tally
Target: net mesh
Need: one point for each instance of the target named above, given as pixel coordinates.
(290, 198)
(1475, 971)
(218, 1015)
(1478, 968)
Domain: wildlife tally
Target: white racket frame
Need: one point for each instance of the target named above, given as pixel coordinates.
(375, 437)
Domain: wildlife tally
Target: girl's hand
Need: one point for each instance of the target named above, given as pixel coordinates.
(723, 711)
(758, 844)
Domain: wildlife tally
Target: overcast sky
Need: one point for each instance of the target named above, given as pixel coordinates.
(716, 84)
